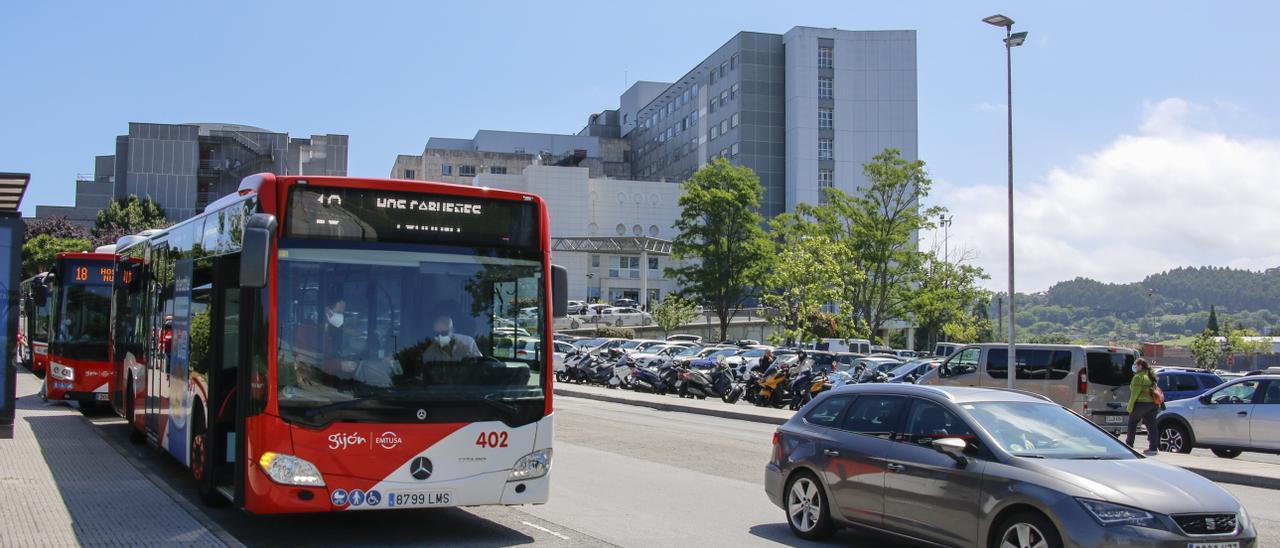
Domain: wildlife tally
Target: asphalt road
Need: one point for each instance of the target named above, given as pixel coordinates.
(623, 475)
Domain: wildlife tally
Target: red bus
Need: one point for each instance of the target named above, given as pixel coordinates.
(314, 344)
(80, 287)
(33, 324)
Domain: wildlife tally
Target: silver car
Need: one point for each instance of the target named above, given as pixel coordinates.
(962, 466)
(1240, 415)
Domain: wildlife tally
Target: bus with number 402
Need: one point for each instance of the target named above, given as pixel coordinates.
(77, 293)
(315, 344)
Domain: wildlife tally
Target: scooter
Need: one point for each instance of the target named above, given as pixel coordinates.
(622, 372)
(772, 388)
(717, 383)
(649, 379)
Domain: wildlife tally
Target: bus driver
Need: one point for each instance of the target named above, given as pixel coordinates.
(447, 346)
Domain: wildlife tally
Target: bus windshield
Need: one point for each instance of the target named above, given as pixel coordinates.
(369, 327)
(84, 313)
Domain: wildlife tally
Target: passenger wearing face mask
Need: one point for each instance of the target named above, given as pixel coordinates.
(333, 329)
(447, 346)
(1143, 405)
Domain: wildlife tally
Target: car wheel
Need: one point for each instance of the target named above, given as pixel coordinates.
(1227, 453)
(807, 508)
(1026, 530)
(1174, 438)
(618, 323)
(573, 324)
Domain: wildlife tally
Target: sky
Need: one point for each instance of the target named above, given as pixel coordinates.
(1147, 134)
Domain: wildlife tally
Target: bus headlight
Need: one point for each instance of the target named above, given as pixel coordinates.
(62, 372)
(531, 466)
(290, 470)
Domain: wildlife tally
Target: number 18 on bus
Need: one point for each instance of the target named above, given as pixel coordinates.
(315, 344)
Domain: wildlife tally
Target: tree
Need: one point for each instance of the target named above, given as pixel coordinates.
(877, 228)
(720, 244)
(803, 275)
(1206, 350)
(127, 216)
(38, 253)
(673, 312)
(1213, 321)
(944, 291)
(58, 227)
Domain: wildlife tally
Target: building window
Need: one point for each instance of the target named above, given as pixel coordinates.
(723, 67)
(733, 91)
(595, 261)
(724, 127)
(466, 171)
(824, 118)
(711, 106)
(824, 182)
(824, 57)
(712, 78)
(693, 117)
(733, 120)
(695, 89)
(733, 62)
(824, 148)
(408, 174)
(724, 97)
(715, 132)
(498, 170)
(824, 87)
(733, 150)
(446, 169)
(653, 262)
(623, 266)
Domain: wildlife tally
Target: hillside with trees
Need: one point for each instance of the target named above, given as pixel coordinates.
(1167, 305)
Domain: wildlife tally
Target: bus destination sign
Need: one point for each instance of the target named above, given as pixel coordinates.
(394, 216)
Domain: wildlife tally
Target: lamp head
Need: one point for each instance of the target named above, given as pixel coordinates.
(998, 20)
(1016, 39)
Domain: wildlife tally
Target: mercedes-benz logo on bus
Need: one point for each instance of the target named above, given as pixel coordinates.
(420, 468)
(422, 414)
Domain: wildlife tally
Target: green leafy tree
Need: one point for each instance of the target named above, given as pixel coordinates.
(38, 253)
(967, 328)
(803, 275)
(127, 216)
(876, 228)
(720, 244)
(944, 292)
(1206, 350)
(673, 312)
(58, 227)
(1213, 320)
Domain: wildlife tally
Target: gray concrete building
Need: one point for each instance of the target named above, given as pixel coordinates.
(184, 167)
(804, 110)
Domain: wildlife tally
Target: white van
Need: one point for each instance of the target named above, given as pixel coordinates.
(857, 346)
(1091, 380)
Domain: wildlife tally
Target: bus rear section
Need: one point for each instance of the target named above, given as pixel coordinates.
(79, 321)
(33, 324)
(338, 347)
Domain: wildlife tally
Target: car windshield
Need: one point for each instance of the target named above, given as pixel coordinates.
(588, 343)
(723, 353)
(691, 351)
(754, 353)
(84, 313)
(904, 369)
(398, 324)
(1044, 430)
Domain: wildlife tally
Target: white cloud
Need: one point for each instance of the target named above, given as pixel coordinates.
(1170, 195)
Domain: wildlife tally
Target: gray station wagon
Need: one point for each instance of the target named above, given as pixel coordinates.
(965, 466)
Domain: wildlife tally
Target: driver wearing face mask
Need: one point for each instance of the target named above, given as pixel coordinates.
(447, 346)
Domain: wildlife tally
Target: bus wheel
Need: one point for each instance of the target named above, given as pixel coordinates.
(201, 468)
(136, 435)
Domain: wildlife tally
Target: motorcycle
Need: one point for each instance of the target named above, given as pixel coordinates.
(622, 370)
(718, 383)
(578, 369)
(770, 388)
(650, 379)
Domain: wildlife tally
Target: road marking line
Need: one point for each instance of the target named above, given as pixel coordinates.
(545, 530)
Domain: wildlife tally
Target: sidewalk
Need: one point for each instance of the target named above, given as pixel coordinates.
(62, 484)
(1254, 474)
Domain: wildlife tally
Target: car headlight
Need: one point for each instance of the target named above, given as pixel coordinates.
(1110, 515)
(533, 465)
(1242, 519)
(290, 470)
(62, 372)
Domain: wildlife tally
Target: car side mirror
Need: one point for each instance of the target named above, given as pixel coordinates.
(40, 293)
(952, 447)
(944, 371)
(1205, 399)
(255, 252)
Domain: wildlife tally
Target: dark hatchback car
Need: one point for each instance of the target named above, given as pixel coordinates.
(963, 466)
(1180, 384)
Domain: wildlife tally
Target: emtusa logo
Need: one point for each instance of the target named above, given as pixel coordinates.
(346, 441)
(388, 440)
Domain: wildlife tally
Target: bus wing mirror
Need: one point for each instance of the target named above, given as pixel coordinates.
(255, 253)
(40, 293)
(559, 291)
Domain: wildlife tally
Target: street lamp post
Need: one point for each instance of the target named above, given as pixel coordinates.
(1011, 40)
(946, 237)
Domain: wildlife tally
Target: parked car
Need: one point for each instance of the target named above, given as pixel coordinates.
(957, 466)
(684, 337)
(575, 308)
(860, 346)
(628, 303)
(621, 315)
(1240, 415)
(905, 354)
(872, 365)
(1091, 380)
(911, 371)
(562, 351)
(1179, 383)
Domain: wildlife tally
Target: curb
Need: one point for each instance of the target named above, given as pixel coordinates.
(674, 407)
(1222, 476)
